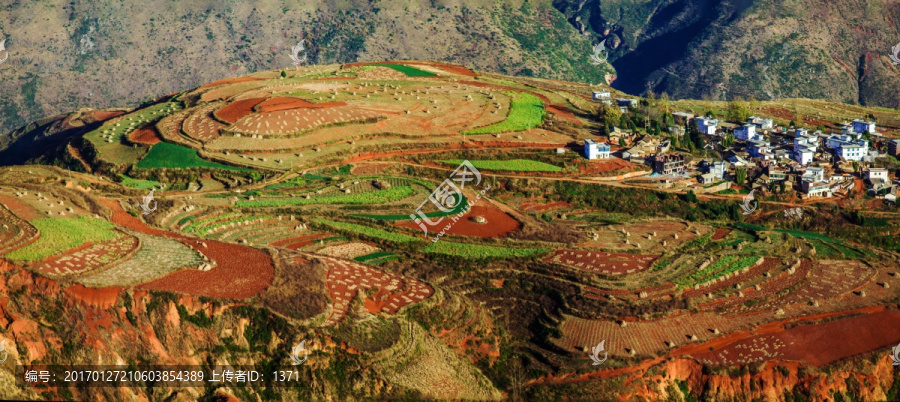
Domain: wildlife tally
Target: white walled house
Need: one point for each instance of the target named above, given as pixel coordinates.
(852, 152)
(861, 126)
(746, 132)
(760, 122)
(706, 125)
(601, 95)
(593, 150)
(804, 155)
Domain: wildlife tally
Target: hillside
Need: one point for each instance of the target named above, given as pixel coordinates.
(281, 216)
(103, 54)
(713, 49)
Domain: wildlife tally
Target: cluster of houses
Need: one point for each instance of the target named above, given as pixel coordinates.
(815, 163)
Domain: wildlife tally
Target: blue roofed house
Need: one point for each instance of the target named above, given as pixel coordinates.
(594, 150)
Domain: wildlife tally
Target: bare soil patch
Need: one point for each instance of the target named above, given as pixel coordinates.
(234, 111)
(103, 297)
(145, 135)
(496, 222)
(720, 234)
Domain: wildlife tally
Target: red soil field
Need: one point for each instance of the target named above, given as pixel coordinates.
(296, 242)
(101, 115)
(564, 114)
(498, 223)
(600, 166)
(240, 272)
(346, 278)
(103, 297)
(549, 206)
(286, 103)
(20, 208)
(818, 344)
(237, 109)
(602, 262)
(145, 135)
(720, 234)
(88, 257)
(229, 81)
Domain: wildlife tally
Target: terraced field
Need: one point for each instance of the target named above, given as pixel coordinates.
(157, 257)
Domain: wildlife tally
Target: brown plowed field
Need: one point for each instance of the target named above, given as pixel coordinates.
(601, 166)
(818, 344)
(601, 262)
(88, 257)
(145, 135)
(234, 111)
(295, 120)
(240, 272)
(286, 103)
(297, 242)
(346, 278)
(720, 234)
(564, 114)
(497, 224)
(201, 126)
(101, 115)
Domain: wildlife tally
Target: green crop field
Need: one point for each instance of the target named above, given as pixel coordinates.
(696, 277)
(409, 71)
(138, 183)
(515, 165)
(371, 197)
(459, 207)
(526, 111)
(171, 156)
(369, 231)
(61, 234)
(479, 251)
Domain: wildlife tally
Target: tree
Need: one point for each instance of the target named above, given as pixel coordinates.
(740, 175)
(622, 142)
(738, 110)
(691, 197)
(781, 187)
(608, 115)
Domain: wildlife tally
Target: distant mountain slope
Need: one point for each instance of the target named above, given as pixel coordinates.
(717, 49)
(107, 53)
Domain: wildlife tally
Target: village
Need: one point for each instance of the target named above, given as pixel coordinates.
(753, 155)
